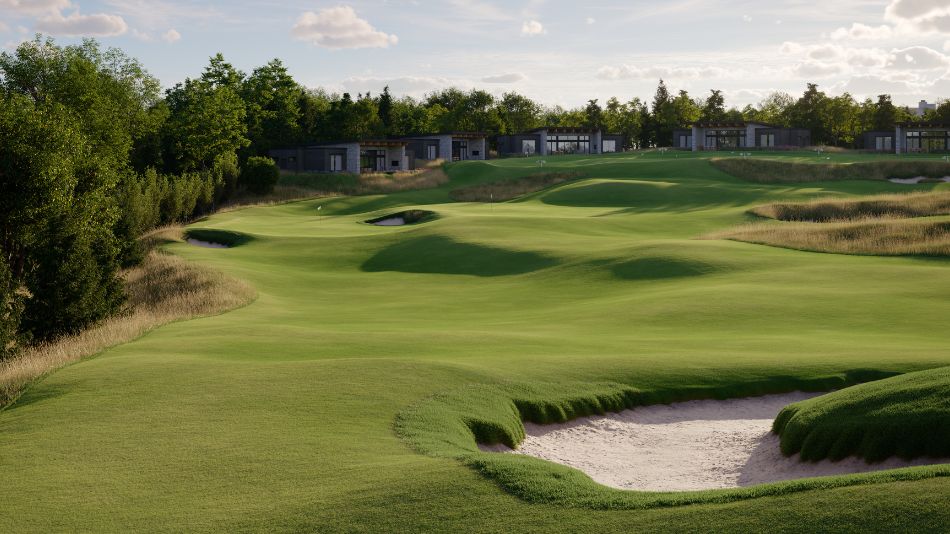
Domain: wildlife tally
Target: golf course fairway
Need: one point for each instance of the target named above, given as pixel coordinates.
(327, 404)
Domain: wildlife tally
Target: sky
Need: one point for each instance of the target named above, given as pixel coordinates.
(558, 52)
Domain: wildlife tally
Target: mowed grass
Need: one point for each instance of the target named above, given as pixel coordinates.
(293, 413)
(906, 416)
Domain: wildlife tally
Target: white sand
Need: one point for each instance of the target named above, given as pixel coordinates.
(685, 446)
(915, 180)
(205, 244)
(392, 221)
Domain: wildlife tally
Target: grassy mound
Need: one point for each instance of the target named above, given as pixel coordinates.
(773, 171)
(658, 268)
(907, 416)
(891, 206)
(886, 237)
(366, 184)
(511, 188)
(442, 255)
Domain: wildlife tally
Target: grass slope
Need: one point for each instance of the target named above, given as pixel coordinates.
(907, 416)
(308, 409)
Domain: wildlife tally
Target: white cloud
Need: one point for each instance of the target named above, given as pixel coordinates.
(532, 27)
(416, 86)
(932, 16)
(340, 27)
(816, 69)
(746, 18)
(3, 27)
(34, 7)
(859, 31)
(631, 72)
(917, 58)
(75, 24)
(590, 20)
(171, 36)
(513, 77)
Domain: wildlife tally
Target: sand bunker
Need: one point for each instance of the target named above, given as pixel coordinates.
(686, 446)
(916, 180)
(392, 221)
(205, 244)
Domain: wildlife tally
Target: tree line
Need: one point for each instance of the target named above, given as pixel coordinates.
(93, 154)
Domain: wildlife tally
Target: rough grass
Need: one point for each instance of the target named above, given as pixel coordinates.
(511, 189)
(162, 289)
(774, 171)
(907, 416)
(328, 184)
(879, 206)
(882, 237)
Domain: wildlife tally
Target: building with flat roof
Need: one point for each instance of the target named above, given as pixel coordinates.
(923, 107)
(553, 140)
(739, 135)
(451, 146)
(356, 157)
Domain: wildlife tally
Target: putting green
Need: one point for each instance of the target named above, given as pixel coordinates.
(281, 415)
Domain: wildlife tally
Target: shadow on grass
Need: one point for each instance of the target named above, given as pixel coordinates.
(442, 255)
(659, 268)
(223, 237)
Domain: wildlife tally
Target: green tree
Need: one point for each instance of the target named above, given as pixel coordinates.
(517, 113)
(885, 113)
(271, 99)
(773, 109)
(686, 110)
(811, 112)
(663, 117)
(713, 108)
(384, 108)
(594, 115)
(260, 175)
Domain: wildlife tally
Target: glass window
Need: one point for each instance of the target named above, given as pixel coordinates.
(610, 145)
(336, 162)
(528, 147)
(431, 152)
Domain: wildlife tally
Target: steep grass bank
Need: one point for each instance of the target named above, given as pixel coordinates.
(162, 289)
(327, 184)
(773, 171)
(512, 188)
(907, 416)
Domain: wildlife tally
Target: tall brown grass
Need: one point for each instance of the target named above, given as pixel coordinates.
(769, 171)
(163, 289)
(881, 237)
(879, 206)
(365, 184)
(511, 189)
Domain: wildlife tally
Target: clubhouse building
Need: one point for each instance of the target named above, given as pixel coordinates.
(553, 140)
(740, 135)
(910, 138)
(380, 155)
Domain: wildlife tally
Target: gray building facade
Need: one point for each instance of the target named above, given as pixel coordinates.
(559, 140)
(452, 146)
(356, 157)
(740, 135)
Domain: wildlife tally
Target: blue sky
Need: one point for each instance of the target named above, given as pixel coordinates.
(556, 51)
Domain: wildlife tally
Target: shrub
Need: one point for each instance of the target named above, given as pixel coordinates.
(9, 310)
(260, 175)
